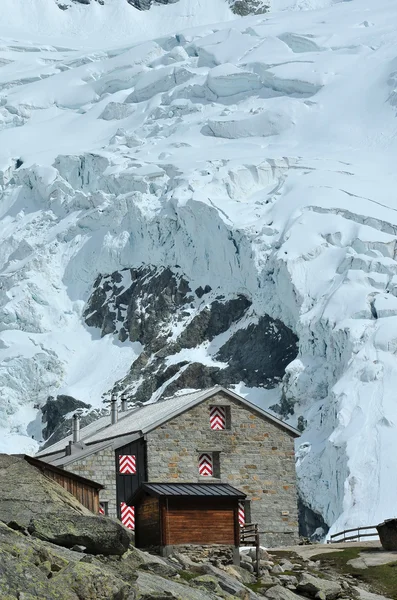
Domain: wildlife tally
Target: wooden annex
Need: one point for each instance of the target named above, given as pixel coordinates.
(169, 515)
(85, 490)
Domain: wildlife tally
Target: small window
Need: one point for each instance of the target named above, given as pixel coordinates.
(209, 464)
(127, 464)
(104, 508)
(127, 515)
(220, 417)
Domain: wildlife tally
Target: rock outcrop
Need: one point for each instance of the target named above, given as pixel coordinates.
(158, 308)
(33, 503)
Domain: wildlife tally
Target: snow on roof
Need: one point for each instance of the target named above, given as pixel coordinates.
(150, 416)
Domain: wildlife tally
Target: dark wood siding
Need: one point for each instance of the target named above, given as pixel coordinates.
(128, 484)
(86, 495)
(147, 523)
(204, 521)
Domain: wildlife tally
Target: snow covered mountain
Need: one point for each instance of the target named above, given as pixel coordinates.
(184, 204)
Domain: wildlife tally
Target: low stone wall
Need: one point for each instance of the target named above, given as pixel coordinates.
(215, 554)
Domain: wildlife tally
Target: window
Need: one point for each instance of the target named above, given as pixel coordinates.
(209, 464)
(127, 464)
(220, 417)
(104, 508)
(127, 515)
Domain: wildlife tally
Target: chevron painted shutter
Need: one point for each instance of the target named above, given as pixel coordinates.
(241, 514)
(218, 417)
(127, 464)
(206, 467)
(127, 515)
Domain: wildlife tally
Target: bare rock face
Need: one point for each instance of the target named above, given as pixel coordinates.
(160, 309)
(249, 7)
(239, 7)
(25, 494)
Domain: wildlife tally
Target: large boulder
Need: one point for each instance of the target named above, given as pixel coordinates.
(25, 493)
(278, 592)
(97, 534)
(31, 501)
(388, 534)
(312, 586)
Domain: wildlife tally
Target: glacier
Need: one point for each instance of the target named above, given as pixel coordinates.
(253, 158)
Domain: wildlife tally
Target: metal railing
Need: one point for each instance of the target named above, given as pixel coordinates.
(356, 536)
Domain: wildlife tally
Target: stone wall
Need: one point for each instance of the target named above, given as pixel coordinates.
(256, 456)
(100, 467)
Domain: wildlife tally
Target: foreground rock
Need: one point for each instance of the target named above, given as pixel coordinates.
(314, 587)
(25, 493)
(31, 502)
(97, 534)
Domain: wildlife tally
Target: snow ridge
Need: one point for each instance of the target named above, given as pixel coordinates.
(256, 157)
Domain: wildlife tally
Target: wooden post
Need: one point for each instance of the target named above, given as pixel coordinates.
(257, 551)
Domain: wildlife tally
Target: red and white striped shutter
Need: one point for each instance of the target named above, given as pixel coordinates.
(127, 515)
(218, 417)
(206, 467)
(127, 464)
(241, 514)
(102, 509)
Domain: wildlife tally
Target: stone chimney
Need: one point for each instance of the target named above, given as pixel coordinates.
(76, 428)
(114, 410)
(124, 402)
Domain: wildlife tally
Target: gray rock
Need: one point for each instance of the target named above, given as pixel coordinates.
(249, 7)
(278, 592)
(160, 568)
(239, 573)
(152, 586)
(246, 558)
(227, 583)
(288, 580)
(286, 564)
(312, 585)
(247, 566)
(263, 554)
(277, 569)
(25, 493)
(98, 535)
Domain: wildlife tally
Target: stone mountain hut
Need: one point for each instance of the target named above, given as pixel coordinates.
(211, 437)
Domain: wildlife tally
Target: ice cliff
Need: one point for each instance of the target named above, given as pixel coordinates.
(216, 204)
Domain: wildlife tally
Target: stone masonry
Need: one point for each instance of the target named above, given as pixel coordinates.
(256, 456)
(100, 467)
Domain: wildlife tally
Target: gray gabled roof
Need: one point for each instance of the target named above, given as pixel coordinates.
(148, 417)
